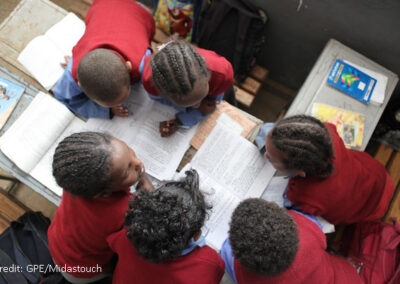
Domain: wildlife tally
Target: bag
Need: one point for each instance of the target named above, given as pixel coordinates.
(375, 246)
(233, 29)
(24, 247)
(176, 16)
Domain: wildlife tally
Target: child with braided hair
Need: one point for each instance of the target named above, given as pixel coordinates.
(96, 172)
(341, 185)
(163, 242)
(191, 79)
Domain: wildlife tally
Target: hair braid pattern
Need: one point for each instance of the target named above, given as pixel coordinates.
(306, 144)
(176, 67)
(81, 163)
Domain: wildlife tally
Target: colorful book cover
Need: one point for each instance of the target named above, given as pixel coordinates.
(351, 81)
(349, 125)
(9, 94)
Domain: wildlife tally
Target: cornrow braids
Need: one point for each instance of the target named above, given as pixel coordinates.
(306, 143)
(82, 165)
(176, 68)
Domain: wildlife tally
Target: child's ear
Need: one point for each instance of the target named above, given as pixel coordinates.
(128, 65)
(79, 84)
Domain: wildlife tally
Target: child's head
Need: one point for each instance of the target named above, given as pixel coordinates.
(104, 77)
(180, 74)
(263, 237)
(92, 164)
(300, 145)
(162, 222)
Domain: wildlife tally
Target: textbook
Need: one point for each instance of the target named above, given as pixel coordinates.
(31, 140)
(10, 93)
(227, 115)
(44, 54)
(351, 81)
(231, 169)
(349, 125)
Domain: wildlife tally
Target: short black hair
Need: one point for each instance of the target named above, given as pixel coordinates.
(103, 75)
(176, 68)
(82, 165)
(306, 144)
(162, 222)
(263, 237)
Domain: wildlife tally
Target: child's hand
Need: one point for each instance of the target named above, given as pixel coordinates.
(145, 184)
(64, 64)
(120, 110)
(169, 127)
(208, 106)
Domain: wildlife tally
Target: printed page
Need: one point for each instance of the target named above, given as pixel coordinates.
(234, 162)
(161, 156)
(43, 171)
(42, 59)
(31, 136)
(66, 33)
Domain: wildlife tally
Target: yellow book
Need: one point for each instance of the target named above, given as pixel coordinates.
(349, 125)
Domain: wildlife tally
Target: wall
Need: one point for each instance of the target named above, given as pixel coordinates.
(298, 30)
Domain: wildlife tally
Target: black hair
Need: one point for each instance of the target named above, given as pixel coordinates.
(176, 68)
(103, 75)
(305, 143)
(162, 222)
(263, 237)
(82, 165)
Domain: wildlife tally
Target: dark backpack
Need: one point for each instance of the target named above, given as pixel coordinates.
(375, 247)
(233, 29)
(24, 246)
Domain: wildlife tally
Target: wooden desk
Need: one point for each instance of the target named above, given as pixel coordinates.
(316, 89)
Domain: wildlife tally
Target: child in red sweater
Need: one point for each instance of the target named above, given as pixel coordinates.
(114, 53)
(341, 185)
(96, 172)
(163, 241)
(268, 244)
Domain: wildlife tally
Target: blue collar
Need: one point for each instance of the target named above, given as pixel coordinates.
(201, 241)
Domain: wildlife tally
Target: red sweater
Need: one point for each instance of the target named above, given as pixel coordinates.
(311, 265)
(77, 235)
(358, 189)
(202, 265)
(122, 26)
(221, 73)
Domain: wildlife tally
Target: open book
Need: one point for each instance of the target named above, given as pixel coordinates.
(231, 169)
(31, 140)
(43, 55)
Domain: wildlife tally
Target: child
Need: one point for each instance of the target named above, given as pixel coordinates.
(341, 185)
(96, 171)
(268, 244)
(192, 79)
(106, 60)
(163, 242)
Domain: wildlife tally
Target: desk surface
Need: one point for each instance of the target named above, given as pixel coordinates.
(316, 89)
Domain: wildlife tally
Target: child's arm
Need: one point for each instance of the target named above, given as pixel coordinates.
(70, 94)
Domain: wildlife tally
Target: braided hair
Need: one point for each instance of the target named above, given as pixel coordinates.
(161, 223)
(176, 68)
(82, 165)
(103, 75)
(306, 143)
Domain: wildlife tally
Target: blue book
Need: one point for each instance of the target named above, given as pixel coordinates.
(10, 92)
(351, 81)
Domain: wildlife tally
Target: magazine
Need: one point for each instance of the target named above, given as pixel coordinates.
(10, 92)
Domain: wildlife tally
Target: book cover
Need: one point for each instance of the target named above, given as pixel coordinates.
(351, 81)
(9, 94)
(349, 125)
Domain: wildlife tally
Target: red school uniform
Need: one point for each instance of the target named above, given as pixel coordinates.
(122, 26)
(311, 265)
(358, 189)
(202, 265)
(221, 70)
(77, 235)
